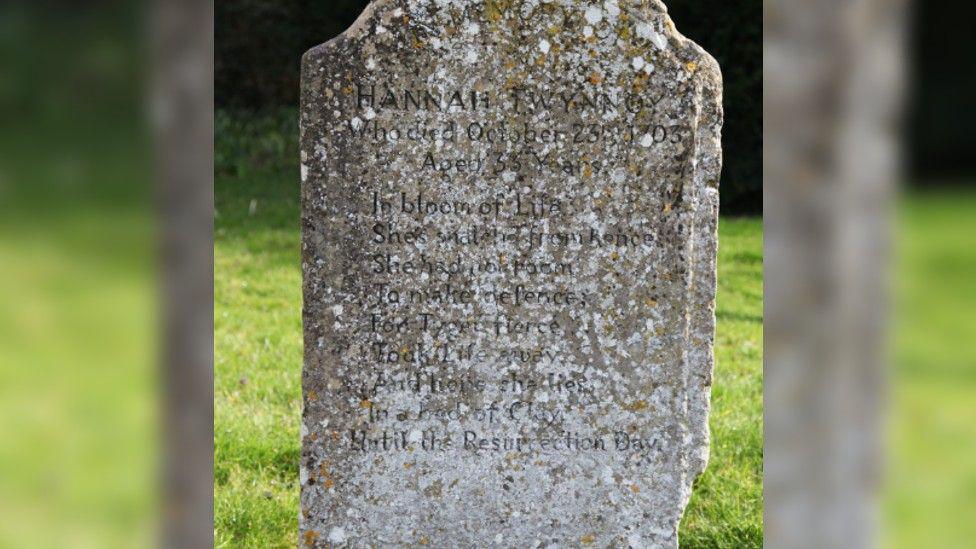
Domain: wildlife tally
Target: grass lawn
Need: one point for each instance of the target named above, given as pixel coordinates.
(930, 497)
(78, 378)
(258, 360)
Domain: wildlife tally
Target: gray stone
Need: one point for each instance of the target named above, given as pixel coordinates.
(509, 214)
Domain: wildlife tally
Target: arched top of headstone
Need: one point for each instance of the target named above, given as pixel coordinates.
(480, 35)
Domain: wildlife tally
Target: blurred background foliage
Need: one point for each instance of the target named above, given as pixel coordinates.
(259, 44)
(942, 81)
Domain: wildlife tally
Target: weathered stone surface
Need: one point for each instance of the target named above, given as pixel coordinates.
(509, 235)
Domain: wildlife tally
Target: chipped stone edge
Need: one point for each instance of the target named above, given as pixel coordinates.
(703, 261)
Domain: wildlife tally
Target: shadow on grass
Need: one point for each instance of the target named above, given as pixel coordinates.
(738, 316)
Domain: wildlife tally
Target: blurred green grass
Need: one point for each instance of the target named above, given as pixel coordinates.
(930, 497)
(77, 384)
(78, 421)
(258, 355)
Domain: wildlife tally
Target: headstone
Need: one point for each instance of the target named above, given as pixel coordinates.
(509, 214)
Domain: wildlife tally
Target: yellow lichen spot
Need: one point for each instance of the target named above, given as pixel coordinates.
(587, 171)
(667, 208)
(310, 537)
(588, 539)
(650, 302)
(502, 258)
(637, 406)
(493, 11)
(691, 66)
(312, 395)
(417, 43)
(596, 78)
(424, 541)
(614, 256)
(347, 90)
(541, 60)
(407, 465)
(365, 403)
(329, 483)
(634, 488)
